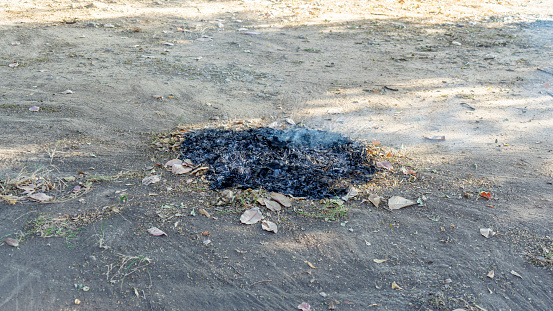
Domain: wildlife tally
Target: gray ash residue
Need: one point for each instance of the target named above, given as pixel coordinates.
(300, 162)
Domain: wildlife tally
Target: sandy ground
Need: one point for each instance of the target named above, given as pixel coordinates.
(111, 78)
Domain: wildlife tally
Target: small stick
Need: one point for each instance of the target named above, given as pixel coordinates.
(543, 70)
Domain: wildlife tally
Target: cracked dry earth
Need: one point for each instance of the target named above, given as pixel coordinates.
(116, 83)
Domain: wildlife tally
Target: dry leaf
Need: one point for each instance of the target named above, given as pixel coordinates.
(170, 163)
(178, 169)
(304, 307)
(27, 189)
(272, 205)
(487, 232)
(204, 212)
(76, 189)
(486, 195)
(269, 226)
(352, 192)
(396, 202)
(310, 265)
(206, 233)
(491, 274)
(251, 216)
(151, 179)
(157, 232)
(513, 272)
(40, 197)
(380, 260)
(375, 199)
(384, 164)
(435, 138)
(395, 286)
(281, 198)
(11, 242)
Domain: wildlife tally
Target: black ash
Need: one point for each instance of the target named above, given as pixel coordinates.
(300, 162)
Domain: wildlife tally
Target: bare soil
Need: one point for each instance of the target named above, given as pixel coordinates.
(117, 82)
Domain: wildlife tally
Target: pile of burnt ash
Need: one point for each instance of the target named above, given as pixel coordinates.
(300, 162)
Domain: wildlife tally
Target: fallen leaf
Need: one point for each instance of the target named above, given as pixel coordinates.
(13, 65)
(395, 286)
(310, 265)
(178, 169)
(206, 233)
(204, 212)
(486, 195)
(272, 205)
(157, 232)
(40, 197)
(375, 199)
(76, 189)
(513, 272)
(281, 198)
(251, 216)
(435, 138)
(397, 202)
(380, 260)
(11, 242)
(151, 179)
(384, 164)
(27, 189)
(170, 163)
(487, 232)
(352, 192)
(34, 108)
(269, 226)
(491, 274)
(304, 307)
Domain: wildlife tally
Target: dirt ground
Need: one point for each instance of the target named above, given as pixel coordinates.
(116, 82)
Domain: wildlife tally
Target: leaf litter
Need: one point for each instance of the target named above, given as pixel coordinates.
(397, 202)
(251, 216)
(156, 231)
(269, 226)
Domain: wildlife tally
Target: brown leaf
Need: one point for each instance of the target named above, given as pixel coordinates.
(281, 198)
(204, 212)
(11, 242)
(157, 232)
(352, 192)
(151, 179)
(40, 197)
(380, 260)
(435, 138)
(304, 307)
(395, 286)
(170, 163)
(491, 274)
(397, 202)
(251, 216)
(375, 199)
(272, 205)
(384, 164)
(269, 226)
(178, 169)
